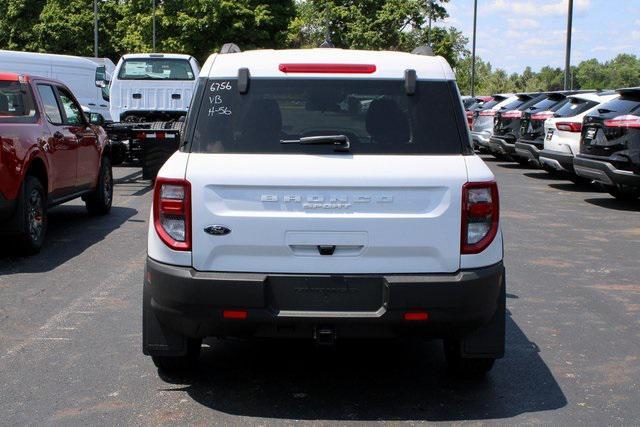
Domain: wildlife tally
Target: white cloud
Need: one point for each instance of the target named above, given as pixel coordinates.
(635, 35)
(524, 23)
(535, 7)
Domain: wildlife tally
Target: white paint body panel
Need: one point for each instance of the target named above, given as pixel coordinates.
(156, 95)
(77, 73)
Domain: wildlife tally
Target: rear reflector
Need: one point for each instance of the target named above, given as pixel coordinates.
(172, 212)
(480, 214)
(569, 126)
(234, 314)
(328, 68)
(626, 121)
(416, 315)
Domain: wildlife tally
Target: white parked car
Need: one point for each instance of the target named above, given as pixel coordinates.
(562, 134)
(150, 87)
(482, 125)
(86, 78)
(295, 209)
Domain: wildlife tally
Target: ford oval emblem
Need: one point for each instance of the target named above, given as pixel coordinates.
(217, 230)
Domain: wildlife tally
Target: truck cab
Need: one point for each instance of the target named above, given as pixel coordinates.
(152, 87)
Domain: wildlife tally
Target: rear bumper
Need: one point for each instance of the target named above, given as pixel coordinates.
(481, 139)
(527, 150)
(604, 172)
(191, 303)
(557, 160)
(499, 145)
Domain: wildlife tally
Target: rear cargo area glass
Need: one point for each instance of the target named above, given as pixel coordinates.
(377, 116)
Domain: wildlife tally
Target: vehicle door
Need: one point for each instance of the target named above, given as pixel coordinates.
(87, 142)
(61, 144)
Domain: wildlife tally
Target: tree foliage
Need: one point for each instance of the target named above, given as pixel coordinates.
(621, 71)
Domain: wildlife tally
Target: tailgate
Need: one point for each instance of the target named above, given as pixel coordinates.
(326, 214)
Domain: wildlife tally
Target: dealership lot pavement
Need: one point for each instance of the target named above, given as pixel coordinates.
(70, 340)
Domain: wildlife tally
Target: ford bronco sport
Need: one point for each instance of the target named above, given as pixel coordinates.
(325, 194)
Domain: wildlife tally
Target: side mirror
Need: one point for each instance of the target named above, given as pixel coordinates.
(96, 119)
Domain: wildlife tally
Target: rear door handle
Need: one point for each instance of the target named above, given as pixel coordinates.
(175, 96)
(137, 96)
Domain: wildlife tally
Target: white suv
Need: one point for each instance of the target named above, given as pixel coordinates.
(562, 132)
(325, 194)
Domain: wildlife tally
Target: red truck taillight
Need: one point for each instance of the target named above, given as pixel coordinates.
(172, 212)
(480, 214)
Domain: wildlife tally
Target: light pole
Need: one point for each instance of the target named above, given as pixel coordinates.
(153, 43)
(95, 28)
(473, 49)
(567, 60)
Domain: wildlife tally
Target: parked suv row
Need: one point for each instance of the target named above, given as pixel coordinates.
(592, 135)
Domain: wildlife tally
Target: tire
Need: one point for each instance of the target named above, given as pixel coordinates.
(465, 367)
(624, 192)
(32, 217)
(155, 155)
(99, 202)
(180, 364)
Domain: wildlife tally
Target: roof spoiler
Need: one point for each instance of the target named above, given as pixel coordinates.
(230, 48)
(425, 50)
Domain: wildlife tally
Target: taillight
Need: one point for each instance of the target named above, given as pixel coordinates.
(569, 126)
(172, 212)
(512, 114)
(480, 214)
(328, 68)
(544, 115)
(487, 113)
(626, 121)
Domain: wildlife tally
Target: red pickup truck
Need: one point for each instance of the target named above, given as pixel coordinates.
(50, 153)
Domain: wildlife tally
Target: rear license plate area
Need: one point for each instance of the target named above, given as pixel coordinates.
(326, 293)
(549, 135)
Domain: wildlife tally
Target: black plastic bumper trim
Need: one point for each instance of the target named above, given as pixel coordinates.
(605, 172)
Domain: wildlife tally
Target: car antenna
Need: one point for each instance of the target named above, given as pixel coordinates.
(230, 48)
(425, 49)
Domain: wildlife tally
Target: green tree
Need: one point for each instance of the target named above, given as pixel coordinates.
(17, 18)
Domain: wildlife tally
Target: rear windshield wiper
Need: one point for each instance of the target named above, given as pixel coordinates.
(339, 142)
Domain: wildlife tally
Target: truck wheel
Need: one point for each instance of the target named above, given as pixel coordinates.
(99, 202)
(465, 367)
(624, 192)
(32, 220)
(180, 364)
(155, 155)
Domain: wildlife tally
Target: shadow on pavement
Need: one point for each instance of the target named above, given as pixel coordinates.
(70, 232)
(383, 380)
(545, 175)
(615, 204)
(579, 187)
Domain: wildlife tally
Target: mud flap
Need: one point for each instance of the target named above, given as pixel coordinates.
(489, 340)
(157, 339)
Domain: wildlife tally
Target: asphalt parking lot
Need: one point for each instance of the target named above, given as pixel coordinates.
(70, 338)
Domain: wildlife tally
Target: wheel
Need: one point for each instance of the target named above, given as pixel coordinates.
(155, 154)
(180, 364)
(465, 367)
(624, 192)
(32, 220)
(99, 202)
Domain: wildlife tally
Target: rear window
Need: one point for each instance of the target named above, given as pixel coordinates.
(574, 107)
(375, 115)
(16, 102)
(516, 103)
(627, 103)
(546, 104)
(156, 69)
(489, 104)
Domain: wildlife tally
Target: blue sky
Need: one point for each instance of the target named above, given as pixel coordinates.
(512, 34)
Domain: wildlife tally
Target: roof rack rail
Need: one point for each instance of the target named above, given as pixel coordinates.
(230, 48)
(425, 49)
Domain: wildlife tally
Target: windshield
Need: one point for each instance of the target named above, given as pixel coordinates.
(375, 115)
(15, 102)
(156, 69)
